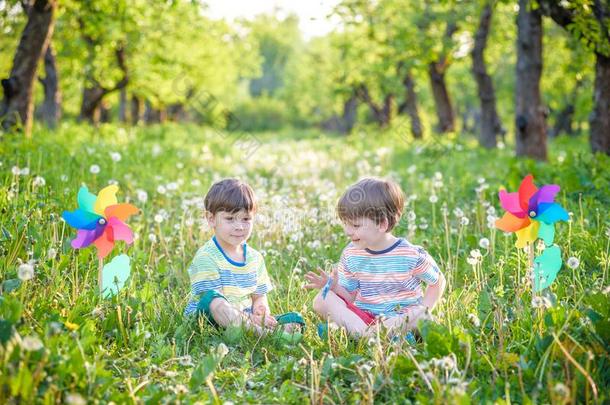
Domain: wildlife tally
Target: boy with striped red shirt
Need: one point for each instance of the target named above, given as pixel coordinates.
(379, 277)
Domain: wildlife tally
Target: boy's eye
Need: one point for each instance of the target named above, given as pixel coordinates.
(229, 218)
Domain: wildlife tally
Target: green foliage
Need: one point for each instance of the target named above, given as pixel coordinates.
(260, 114)
(278, 41)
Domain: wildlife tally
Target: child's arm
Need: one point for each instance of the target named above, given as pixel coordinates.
(434, 292)
(318, 281)
(342, 292)
(261, 312)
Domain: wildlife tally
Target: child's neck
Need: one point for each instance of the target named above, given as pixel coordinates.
(386, 241)
(235, 252)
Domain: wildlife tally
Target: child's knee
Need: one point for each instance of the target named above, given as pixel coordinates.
(216, 304)
(319, 305)
(224, 314)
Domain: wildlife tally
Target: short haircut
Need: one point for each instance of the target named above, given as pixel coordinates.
(372, 198)
(230, 195)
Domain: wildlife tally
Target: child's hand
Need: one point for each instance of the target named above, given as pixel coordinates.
(318, 281)
(260, 317)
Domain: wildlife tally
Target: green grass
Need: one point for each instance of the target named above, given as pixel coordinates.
(493, 342)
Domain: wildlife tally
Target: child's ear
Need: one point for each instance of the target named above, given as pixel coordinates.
(211, 218)
(383, 226)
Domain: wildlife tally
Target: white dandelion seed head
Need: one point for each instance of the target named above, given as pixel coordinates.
(474, 319)
(484, 243)
(433, 199)
(25, 271)
(39, 181)
(141, 195)
(573, 263)
(222, 350)
(447, 363)
(75, 399)
(541, 302)
(471, 260)
(115, 156)
(31, 343)
(476, 253)
(464, 221)
(562, 390)
(94, 169)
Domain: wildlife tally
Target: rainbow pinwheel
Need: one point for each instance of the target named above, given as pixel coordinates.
(531, 213)
(100, 220)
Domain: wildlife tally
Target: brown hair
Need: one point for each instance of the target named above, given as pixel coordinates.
(230, 195)
(372, 198)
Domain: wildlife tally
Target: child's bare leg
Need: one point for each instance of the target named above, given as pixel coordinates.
(226, 314)
(406, 321)
(334, 309)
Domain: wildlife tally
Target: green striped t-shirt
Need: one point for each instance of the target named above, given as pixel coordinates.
(212, 269)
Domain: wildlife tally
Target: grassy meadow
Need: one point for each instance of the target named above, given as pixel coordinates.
(493, 340)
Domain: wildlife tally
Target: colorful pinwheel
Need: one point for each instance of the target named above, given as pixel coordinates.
(100, 220)
(531, 213)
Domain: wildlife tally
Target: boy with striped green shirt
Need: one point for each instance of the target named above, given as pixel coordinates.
(229, 280)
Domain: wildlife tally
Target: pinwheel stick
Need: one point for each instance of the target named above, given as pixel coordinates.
(530, 263)
(99, 274)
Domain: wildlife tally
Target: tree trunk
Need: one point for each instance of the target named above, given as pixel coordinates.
(530, 118)
(490, 122)
(444, 109)
(123, 105)
(105, 112)
(137, 110)
(350, 110)
(50, 110)
(410, 106)
(93, 92)
(563, 121)
(345, 122)
(599, 120)
(90, 105)
(381, 114)
(153, 115)
(18, 104)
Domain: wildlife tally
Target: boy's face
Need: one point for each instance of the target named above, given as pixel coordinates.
(364, 232)
(234, 228)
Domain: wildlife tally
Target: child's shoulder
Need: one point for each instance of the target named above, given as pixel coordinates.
(254, 254)
(411, 247)
(207, 251)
